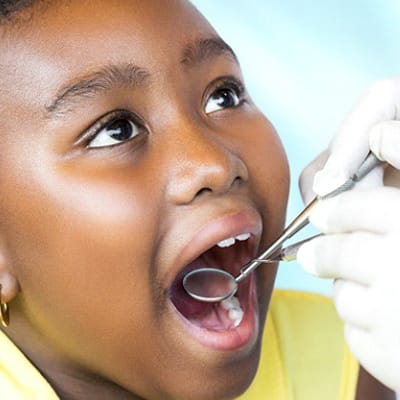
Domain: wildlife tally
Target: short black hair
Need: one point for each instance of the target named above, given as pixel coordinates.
(10, 7)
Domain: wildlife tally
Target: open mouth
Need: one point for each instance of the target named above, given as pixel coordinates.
(231, 255)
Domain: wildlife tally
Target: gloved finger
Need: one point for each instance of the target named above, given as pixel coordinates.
(351, 144)
(352, 257)
(307, 176)
(353, 303)
(384, 141)
(374, 210)
(373, 179)
(376, 358)
(361, 344)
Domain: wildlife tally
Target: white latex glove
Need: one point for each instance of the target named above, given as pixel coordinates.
(371, 125)
(360, 253)
(363, 235)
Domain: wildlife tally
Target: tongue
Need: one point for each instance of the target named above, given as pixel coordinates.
(215, 318)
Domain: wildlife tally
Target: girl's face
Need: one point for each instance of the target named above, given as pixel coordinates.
(130, 148)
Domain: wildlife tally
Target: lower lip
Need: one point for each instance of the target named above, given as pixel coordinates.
(243, 336)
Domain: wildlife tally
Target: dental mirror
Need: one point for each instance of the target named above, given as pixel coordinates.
(215, 285)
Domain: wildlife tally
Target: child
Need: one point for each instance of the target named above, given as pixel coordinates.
(131, 154)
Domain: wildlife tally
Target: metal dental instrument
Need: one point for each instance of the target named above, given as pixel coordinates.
(214, 285)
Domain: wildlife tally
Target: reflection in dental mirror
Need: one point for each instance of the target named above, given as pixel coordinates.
(210, 283)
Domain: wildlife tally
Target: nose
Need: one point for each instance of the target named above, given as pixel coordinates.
(203, 164)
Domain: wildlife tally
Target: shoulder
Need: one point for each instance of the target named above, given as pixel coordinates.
(312, 345)
(293, 297)
(308, 312)
(19, 379)
(309, 328)
(305, 324)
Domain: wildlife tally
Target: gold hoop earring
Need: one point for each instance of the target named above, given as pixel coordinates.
(4, 312)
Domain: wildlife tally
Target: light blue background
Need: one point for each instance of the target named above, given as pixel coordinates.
(306, 63)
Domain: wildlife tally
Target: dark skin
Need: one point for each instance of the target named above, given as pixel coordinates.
(98, 226)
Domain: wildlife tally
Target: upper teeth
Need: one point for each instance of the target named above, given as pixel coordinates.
(231, 241)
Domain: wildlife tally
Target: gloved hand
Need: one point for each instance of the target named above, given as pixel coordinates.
(362, 230)
(372, 122)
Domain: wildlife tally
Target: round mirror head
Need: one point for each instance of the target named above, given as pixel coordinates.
(210, 284)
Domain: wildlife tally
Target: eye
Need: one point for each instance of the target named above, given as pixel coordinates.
(227, 95)
(117, 131)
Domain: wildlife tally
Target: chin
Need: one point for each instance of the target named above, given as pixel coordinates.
(226, 384)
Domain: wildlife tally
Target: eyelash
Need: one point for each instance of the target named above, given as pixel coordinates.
(229, 84)
(106, 122)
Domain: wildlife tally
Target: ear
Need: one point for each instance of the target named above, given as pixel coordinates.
(8, 280)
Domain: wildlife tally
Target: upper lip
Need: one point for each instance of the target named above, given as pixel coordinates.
(223, 226)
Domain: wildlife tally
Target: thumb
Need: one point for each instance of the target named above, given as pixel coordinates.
(384, 141)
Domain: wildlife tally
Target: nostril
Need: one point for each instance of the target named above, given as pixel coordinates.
(207, 190)
(203, 191)
(237, 181)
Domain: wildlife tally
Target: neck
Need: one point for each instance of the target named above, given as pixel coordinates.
(68, 380)
(70, 385)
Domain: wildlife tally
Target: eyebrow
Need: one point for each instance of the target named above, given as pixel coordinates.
(203, 49)
(96, 82)
(128, 74)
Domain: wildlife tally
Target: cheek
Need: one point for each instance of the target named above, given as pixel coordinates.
(81, 247)
(269, 180)
(268, 171)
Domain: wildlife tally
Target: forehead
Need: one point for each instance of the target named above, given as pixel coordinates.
(75, 36)
(128, 25)
(85, 27)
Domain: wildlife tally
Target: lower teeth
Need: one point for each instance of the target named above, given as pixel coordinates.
(236, 315)
(235, 312)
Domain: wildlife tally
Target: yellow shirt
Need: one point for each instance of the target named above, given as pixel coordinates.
(304, 357)
(19, 379)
